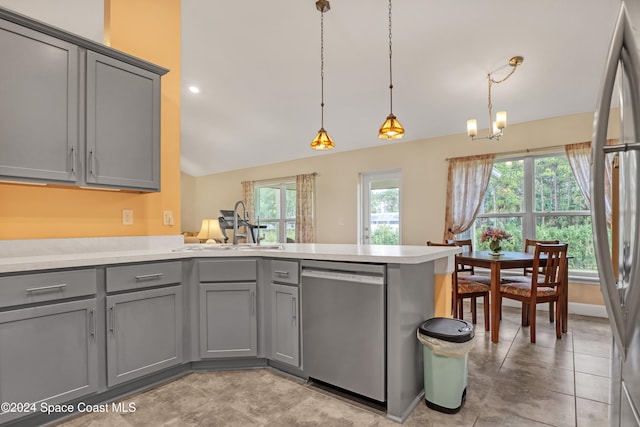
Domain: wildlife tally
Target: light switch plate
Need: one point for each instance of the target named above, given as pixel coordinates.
(167, 217)
(127, 216)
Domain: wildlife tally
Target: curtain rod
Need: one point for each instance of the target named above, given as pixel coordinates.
(522, 152)
(282, 178)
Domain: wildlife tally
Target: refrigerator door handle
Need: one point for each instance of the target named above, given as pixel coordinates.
(598, 211)
(631, 63)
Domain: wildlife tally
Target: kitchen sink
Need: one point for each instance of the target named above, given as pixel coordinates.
(229, 247)
(257, 247)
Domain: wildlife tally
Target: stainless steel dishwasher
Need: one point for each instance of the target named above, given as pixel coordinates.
(343, 324)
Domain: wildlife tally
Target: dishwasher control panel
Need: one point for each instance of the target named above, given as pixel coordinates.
(344, 276)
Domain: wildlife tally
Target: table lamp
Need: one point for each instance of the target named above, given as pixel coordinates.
(210, 230)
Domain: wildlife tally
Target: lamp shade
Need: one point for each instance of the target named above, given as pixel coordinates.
(211, 231)
(501, 119)
(472, 128)
(322, 141)
(391, 129)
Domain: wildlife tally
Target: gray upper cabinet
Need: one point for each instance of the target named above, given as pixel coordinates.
(76, 112)
(38, 105)
(123, 124)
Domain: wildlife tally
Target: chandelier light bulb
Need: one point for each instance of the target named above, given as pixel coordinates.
(472, 128)
(501, 119)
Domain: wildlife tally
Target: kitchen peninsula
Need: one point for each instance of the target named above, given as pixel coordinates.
(105, 290)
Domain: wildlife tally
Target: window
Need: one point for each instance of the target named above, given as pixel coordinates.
(380, 207)
(539, 198)
(275, 206)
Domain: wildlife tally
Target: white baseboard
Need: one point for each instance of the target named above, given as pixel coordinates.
(574, 308)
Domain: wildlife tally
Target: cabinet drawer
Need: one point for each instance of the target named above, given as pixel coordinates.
(39, 287)
(284, 272)
(228, 270)
(132, 277)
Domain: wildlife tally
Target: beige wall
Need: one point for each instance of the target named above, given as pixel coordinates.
(424, 176)
(188, 198)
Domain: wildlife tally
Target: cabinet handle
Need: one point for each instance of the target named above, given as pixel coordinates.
(91, 162)
(112, 319)
(149, 276)
(48, 288)
(253, 302)
(282, 273)
(294, 308)
(92, 322)
(73, 160)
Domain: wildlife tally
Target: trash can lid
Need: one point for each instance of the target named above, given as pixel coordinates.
(451, 330)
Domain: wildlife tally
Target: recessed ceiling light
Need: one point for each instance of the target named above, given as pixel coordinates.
(194, 89)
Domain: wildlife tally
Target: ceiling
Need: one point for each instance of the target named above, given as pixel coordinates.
(257, 65)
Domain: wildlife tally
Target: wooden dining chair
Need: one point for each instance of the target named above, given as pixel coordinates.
(468, 286)
(467, 246)
(544, 285)
(530, 247)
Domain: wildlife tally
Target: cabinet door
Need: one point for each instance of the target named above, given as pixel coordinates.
(48, 353)
(285, 326)
(123, 124)
(38, 105)
(144, 333)
(228, 320)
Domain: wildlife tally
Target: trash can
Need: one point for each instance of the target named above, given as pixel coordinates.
(446, 345)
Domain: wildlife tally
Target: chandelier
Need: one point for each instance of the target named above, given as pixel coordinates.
(498, 125)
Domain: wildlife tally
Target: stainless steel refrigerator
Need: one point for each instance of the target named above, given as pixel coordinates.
(617, 248)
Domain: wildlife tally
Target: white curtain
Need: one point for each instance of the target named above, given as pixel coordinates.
(305, 207)
(248, 199)
(579, 156)
(466, 185)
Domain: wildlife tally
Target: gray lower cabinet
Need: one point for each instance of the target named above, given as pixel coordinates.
(38, 105)
(144, 333)
(47, 354)
(123, 124)
(285, 324)
(228, 319)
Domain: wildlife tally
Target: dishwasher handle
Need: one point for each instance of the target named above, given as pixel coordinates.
(344, 276)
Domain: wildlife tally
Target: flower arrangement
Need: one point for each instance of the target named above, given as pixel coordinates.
(494, 236)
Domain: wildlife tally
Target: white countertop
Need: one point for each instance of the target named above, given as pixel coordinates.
(42, 254)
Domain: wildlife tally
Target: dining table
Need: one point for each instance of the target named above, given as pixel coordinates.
(503, 261)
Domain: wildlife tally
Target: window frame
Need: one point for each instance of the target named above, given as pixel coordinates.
(529, 216)
(364, 201)
(283, 220)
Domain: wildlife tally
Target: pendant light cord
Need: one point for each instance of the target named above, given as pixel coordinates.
(322, 68)
(489, 102)
(390, 67)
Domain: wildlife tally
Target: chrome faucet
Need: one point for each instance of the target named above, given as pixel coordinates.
(245, 216)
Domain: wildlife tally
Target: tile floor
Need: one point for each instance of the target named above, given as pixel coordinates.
(513, 383)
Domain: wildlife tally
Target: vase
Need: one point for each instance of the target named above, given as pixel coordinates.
(494, 245)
